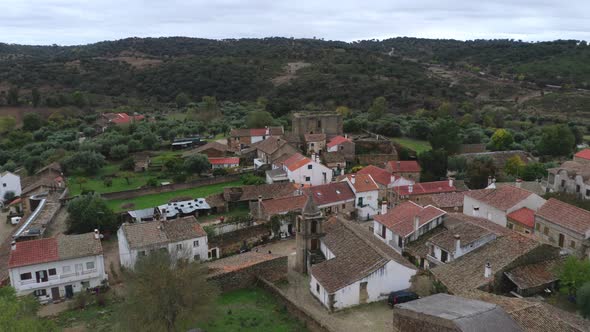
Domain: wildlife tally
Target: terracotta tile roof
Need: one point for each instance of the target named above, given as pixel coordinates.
(272, 131)
(314, 137)
(337, 140)
(444, 200)
(284, 204)
(566, 215)
(334, 157)
(481, 222)
(467, 272)
(400, 219)
(331, 193)
(211, 145)
(584, 154)
(502, 198)
(469, 233)
(238, 262)
(362, 182)
(534, 275)
(418, 248)
(533, 186)
(251, 193)
(424, 188)
(404, 166)
(162, 232)
(524, 216)
(122, 118)
(296, 161)
(573, 168)
(54, 249)
(380, 175)
(272, 144)
(224, 161)
(358, 253)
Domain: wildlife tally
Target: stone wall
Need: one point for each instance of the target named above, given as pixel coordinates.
(272, 270)
(379, 160)
(230, 243)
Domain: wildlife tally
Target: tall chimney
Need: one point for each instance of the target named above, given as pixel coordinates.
(342, 171)
(488, 270)
(352, 179)
(392, 179)
(13, 245)
(384, 207)
(458, 251)
(518, 183)
(416, 225)
(346, 136)
(411, 188)
(451, 182)
(489, 180)
(96, 234)
(399, 165)
(494, 180)
(259, 206)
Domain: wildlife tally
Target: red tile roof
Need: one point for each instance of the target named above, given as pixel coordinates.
(34, 252)
(400, 219)
(337, 141)
(296, 161)
(331, 193)
(314, 137)
(224, 161)
(584, 154)
(380, 175)
(524, 216)
(424, 188)
(284, 204)
(404, 166)
(566, 215)
(121, 118)
(502, 198)
(362, 182)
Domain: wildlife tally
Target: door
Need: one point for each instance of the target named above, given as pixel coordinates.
(363, 293)
(69, 291)
(290, 229)
(561, 240)
(315, 244)
(55, 293)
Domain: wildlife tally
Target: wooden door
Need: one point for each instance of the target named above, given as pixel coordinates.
(55, 293)
(69, 291)
(315, 244)
(561, 240)
(363, 293)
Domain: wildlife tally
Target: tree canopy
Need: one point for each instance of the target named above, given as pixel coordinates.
(89, 212)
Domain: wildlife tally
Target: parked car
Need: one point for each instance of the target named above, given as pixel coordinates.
(401, 297)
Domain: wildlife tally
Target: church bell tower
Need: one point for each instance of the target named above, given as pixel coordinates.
(308, 231)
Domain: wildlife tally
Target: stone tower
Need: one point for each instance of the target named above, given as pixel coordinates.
(309, 229)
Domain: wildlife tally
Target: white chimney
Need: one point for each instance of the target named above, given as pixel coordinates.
(384, 207)
(259, 206)
(13, 245)
(416, 225)
(346, 136)
(411, 188)
(267, 131)
(392, 179)
(458, 251)
(488, 270)
(489, 180)
(96, 234)
(518, 183)
(342, 171)
(352, 179)
(494, 180)
(313, 156)
(451, 182)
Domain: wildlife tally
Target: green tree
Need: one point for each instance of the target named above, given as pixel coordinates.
(166, 294)
(583, 300)
(514, 166)
(119, 151)
(80, 180)
(79, 99)
(182, 100)
(378, 108)
(127, 175)
(32, 163)
(149, 141)
(574, 273)
(434, 164)
(533, 171)
(36, 97)
(7, 124)
(259, 119)
(32, 121)
(12, 98)
(128, 164)
(343, 111)
(87, 161)
(197, 163)
(478, 172)
(556, 140)
(502, 140)
(445, 135)
(20, 313)
(89, 212)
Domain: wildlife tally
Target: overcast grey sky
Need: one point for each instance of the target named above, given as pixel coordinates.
(70, 22)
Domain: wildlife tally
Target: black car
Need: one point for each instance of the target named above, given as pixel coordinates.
(401, 297)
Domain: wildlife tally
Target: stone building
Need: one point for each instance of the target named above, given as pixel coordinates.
(316, 123)
(308, 231)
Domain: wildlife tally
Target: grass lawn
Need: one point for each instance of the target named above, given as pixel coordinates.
(153, 200)
(251, 310)
(234, 212)
(92, 318)
(217, 137)
(414, 144)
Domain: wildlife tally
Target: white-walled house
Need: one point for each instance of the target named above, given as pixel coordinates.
(358, 268)
(224, 162)
(303, 170)
(54, 268)
(405, 223)
(495, 204)
(181, 238)
(366, 194)
(9, 182)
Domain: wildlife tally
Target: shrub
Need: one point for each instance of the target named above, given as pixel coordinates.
(219, 172)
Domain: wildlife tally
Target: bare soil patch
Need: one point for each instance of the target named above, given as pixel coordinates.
(290, 72)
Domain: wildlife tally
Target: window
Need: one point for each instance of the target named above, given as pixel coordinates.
(197, 258)
(179, 246)
(444, 256)
(538, 227)
(26, 276)
(141, 253)
(587, 192)
(319, 123)
(383, 231)
(546, 230)
(66, 269)
(4, 185)
(308, 178)
(89, 265)
(317, 287)
(52, 272)
(312, 144)
(563, 183)
(85, 284)
(40, 292)
(573, 244)
(196, 243)
(310, 166)
(510, 226)
(343, 206)
(400, 241)
(561, 240)
(577, 188)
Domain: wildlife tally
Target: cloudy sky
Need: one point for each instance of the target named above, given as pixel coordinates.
(69, 22)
